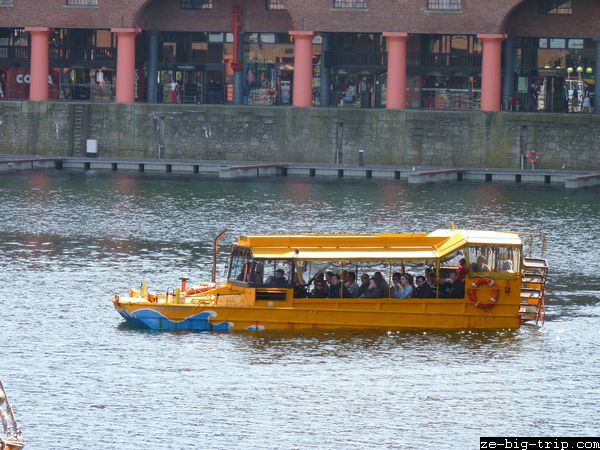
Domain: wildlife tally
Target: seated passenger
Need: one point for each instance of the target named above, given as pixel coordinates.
(328, 276)
(300, 290)
(507, 266)
(395, 283)
(461, 273)
(451, 288)
(402, 289)
(364, 285)
(423, 289)
(351, 285)
(375, 290)
(481, 264)
(335, 287)
(430, 278)
(278, 281)
(381, 281)
(320, 290)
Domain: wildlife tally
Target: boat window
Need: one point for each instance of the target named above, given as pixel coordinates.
(242, 265)
(271, 273)
(505, 260)
(420, 276)
(340, 279)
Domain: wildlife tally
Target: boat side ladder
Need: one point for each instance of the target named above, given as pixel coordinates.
(533, 306)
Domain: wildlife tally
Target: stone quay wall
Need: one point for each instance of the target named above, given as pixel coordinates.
(316, 135)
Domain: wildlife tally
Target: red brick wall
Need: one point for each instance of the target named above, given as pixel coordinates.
(584, 22)
(478, 16)
(54, 13)
(168, 16)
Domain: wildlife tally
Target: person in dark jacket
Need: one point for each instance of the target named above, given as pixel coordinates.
(320, 290)
(451, 288)
(335, 287)
(364, 285)
(423, 289)
(278, 280)
(375, 290)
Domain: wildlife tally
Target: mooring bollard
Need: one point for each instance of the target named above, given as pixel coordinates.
(361, 158)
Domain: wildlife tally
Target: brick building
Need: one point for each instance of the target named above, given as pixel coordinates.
(438, 54)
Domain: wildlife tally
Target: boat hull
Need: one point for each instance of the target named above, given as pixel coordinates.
(387, 314)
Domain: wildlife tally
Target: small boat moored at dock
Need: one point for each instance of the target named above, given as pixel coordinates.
(447, 279)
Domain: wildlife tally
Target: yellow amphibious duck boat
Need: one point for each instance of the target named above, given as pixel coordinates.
(448, 279)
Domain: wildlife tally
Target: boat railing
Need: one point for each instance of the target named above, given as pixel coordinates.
(531, 239)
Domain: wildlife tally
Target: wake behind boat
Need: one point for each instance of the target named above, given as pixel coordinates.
(448, 279)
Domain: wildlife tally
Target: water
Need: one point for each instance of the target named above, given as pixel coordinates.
(80, 379)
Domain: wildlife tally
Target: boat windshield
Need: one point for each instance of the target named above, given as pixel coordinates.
(496, 260)
(259, 272)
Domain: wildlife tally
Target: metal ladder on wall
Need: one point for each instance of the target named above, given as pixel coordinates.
(533, 305)
(79, 134)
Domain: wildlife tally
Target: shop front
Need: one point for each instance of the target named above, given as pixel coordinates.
(86, 62)
(554, 74)
(444, 72)
(269, 68)
(356, 62)
(14, 63)
(192, 67)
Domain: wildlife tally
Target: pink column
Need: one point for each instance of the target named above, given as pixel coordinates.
(125, 64)
(40, 62)
(491, 71)
(303, 68)
(396, 76)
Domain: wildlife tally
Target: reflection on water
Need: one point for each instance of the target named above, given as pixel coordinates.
(80, 378)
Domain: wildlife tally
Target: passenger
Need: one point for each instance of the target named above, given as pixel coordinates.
(430, 278)
(351, 285)
(335, 286)
(403, 289)
(344, 276)
(320, 289)
(423, 289)
(461, 273)
(375, 290)
(450, 287)
(328, 276)
(411, 281)
(395, 283)
(364, 285)
(381, 281)
(481, 264)
(278, 281)
(300, 290)
(507, 266)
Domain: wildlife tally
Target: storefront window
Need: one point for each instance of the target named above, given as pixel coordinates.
(554, 74)
(356, 61)
(451, 92)
(78, 84)
(195, 67)
(269, 68)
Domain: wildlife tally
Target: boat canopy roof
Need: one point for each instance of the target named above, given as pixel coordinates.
(374, 247)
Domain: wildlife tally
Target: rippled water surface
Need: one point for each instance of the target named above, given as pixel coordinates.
(80, 379)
